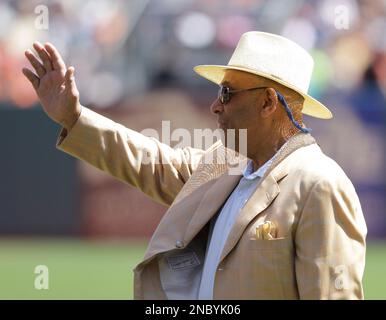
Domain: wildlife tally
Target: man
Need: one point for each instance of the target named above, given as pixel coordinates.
(290, 226)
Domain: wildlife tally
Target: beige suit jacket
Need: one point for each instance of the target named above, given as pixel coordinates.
(319, 251)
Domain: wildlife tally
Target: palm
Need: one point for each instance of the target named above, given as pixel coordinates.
(53, 92)
(54, 84)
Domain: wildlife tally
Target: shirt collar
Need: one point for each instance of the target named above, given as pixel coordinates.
(249, 174)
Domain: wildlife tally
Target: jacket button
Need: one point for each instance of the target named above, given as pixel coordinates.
(179, 244)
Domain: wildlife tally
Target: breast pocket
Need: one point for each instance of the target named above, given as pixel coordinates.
(269, 266)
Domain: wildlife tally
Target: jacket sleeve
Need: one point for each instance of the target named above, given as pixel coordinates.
(330, 243)
(157, 169)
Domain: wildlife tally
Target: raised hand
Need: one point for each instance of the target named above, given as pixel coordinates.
(54, 84)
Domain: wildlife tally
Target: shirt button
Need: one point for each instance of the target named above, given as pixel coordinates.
(179, 244)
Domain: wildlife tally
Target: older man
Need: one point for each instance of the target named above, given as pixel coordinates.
(290, 226)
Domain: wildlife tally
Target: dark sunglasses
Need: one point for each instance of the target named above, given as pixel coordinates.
(225, 93)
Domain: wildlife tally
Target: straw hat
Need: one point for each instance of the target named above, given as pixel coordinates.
(273, 57)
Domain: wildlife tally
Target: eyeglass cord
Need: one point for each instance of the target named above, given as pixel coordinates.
(290, 115)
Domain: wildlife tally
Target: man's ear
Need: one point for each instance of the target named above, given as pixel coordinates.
(270, 102)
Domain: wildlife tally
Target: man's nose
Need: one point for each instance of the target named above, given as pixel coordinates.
(217, 106)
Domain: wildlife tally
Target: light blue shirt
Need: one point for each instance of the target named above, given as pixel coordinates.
(224, 223)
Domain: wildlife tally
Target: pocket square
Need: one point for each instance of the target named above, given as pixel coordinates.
(266, 231)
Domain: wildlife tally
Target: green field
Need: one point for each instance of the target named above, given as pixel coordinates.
(103, 270)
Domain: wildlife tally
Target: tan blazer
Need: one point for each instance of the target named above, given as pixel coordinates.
(319, 249)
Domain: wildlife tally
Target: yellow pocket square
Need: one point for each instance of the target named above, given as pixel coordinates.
(266, 231)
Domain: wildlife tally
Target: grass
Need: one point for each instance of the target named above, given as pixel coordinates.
(77, 269)
(374, 281)
(80, 269)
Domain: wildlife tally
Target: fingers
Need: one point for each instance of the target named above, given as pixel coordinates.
(44, 56)
(70, 79)
(35, 63)
(56, 58)
(31, 77)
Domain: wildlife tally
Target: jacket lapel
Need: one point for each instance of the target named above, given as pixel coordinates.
(175, 221)
(265, 193)
(185, 219)
(211, 203)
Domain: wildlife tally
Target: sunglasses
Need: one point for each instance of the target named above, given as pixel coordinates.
(225, 93)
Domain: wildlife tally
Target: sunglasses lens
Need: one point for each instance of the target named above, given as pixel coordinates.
(224, 95)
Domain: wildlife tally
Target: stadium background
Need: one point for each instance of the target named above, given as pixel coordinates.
(133, 63)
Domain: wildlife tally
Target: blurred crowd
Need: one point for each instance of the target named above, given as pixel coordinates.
(125, 49)
(131, 46)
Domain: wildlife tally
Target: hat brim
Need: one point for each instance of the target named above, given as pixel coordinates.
(311, 106)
